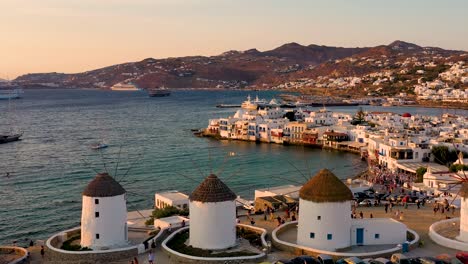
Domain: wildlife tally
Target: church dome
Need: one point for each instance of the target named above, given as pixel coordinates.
(103, 186)
(325, 187)
(212, 190)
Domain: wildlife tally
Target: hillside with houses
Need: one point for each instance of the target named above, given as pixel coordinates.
(399, 69)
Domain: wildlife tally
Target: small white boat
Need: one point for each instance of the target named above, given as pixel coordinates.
(99, 146)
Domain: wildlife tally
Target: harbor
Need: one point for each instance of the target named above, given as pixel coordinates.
(246, 167)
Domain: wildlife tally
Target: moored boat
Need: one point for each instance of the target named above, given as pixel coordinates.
(159, 92)
(249, 105)
(99, 146)
(10, 138)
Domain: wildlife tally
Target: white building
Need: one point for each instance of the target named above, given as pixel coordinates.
(171, 198)
(104, 214)
(287, 190)
(212, 215)
(325, 218)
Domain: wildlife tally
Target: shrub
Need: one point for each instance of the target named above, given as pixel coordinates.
(165, 212)
(67, 244)
(420, 173)
(458, 167)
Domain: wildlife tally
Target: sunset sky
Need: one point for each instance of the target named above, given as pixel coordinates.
(79, 35)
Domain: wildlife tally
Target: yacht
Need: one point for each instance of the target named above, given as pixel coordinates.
(249, 105)
(124, 87)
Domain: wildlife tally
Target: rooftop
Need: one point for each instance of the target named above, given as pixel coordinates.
(103, 185)
(173, 195)
(325, 187)
(413, 166)
(212, 190)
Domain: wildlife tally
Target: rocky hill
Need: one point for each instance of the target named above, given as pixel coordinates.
(290, 66)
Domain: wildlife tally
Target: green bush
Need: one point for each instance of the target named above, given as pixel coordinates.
(458, 167)
(67, 244)
(420, 173)
(165, 212)
(444, 156)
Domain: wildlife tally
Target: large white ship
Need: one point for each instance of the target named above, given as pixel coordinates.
(10, 94)
(124, 87)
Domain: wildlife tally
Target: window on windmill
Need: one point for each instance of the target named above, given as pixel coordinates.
(319, 217)
(312, 235)
(329, 236)
(97, 236)
(96, 214)
(377, 236)
(96, 201)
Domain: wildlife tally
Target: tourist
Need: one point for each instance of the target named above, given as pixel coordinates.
(371, 215)
(151, 257)
(418, 203)
(293, 217)
(272, 215)
(279, 220)
(42, 251)
(361, 215)
(386, 208)
(170, 228)
(401, 216)
(183, 223)
(31, 243)
(135, 260)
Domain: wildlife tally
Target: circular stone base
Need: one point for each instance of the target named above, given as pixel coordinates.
(445, 233)
(182, 258)
(284, 238)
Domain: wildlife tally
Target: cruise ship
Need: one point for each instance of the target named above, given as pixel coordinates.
(10, 94)
(124, 87)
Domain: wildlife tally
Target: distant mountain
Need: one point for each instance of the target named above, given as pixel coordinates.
(250, 68)
(312, 54)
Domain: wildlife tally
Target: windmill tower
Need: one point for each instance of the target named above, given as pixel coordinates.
(463, 236)
(325, 212)
(212, 215)
(104, 213)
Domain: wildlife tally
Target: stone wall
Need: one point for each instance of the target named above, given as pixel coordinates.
(435, 228)
(56, 257)
(17, 251)
(178, 257)
(301, 250)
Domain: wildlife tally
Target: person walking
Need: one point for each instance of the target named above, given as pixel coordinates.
(151, 257)
(42, 251)
(386, 208)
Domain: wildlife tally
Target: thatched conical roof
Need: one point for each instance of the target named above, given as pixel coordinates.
(212, 190)
(103, 186)
(325, 187)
